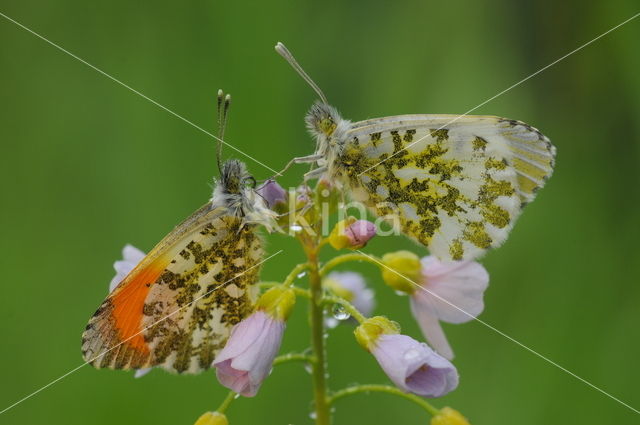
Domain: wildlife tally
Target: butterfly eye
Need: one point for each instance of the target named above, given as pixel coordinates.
(249, 182)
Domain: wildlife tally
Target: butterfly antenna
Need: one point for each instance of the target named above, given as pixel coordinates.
(223, 116)
(286, 54)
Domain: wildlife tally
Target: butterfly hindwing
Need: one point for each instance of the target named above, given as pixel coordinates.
(455, 184)
(177, 307)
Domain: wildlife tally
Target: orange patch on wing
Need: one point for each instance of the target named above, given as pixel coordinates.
(128, 304)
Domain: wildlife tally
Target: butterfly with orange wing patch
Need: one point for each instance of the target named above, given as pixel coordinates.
(176, 308)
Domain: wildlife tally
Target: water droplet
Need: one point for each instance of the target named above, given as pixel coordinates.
(331, 323)
(296, 228)
(301, 275)
(339, 312)
(236, 396)
(400, 293)
(308, 368)
(312, 415)
(411, 354)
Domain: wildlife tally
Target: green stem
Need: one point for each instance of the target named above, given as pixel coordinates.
(298, 291)
(350, 308)
(293, 274)
(336, 261)
(226, 402)
(294, 357)
(319, 373)
(384, 389)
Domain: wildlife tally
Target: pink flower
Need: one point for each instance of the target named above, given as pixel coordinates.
(414, 367)
(451, 292)
(246, 359)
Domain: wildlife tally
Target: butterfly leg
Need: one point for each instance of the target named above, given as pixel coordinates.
(315, 173)
(301, 160)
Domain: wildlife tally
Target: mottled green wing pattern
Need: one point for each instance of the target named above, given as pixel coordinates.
(211, 287)
(455, 184)
(177, 307)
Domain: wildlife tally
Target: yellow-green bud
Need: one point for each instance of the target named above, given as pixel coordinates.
(327, 194)
(449, 416)
(367, 332)
(403, 271)
(212, 418)
(338, 238)
(277, 302)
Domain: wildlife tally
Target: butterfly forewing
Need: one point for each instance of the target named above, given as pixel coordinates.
(176, 308)
(455, 184)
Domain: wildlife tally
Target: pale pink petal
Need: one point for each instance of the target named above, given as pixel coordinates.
(414, 367)
(247, 358)
(359, 233)
(141, 372)
(131, 257)
(453, 290)
(431, 329)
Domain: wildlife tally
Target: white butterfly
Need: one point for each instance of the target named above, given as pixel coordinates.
(455, 183)
(174, 307)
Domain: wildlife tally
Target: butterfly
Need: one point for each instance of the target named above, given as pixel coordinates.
(454, 183)
(176, 308)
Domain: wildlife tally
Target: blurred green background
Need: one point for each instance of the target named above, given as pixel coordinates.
(87, 166)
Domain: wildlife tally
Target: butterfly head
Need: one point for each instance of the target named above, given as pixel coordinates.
(322, 119)
(235, 178)
(235, 191)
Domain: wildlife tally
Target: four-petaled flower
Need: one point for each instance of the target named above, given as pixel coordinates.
(450, 292)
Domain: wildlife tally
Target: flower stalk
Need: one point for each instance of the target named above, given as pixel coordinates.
(346, 258)
(356, 389)
(232, 395)
(349, 308)
(319, 372)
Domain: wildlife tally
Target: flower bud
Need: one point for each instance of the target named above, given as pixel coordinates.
(212, 418)
(402, 271)
(351, 233)
(327, 194)
(277, 302)
(274, 195)
(302, 213)
(370, 330)
(449, 416)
